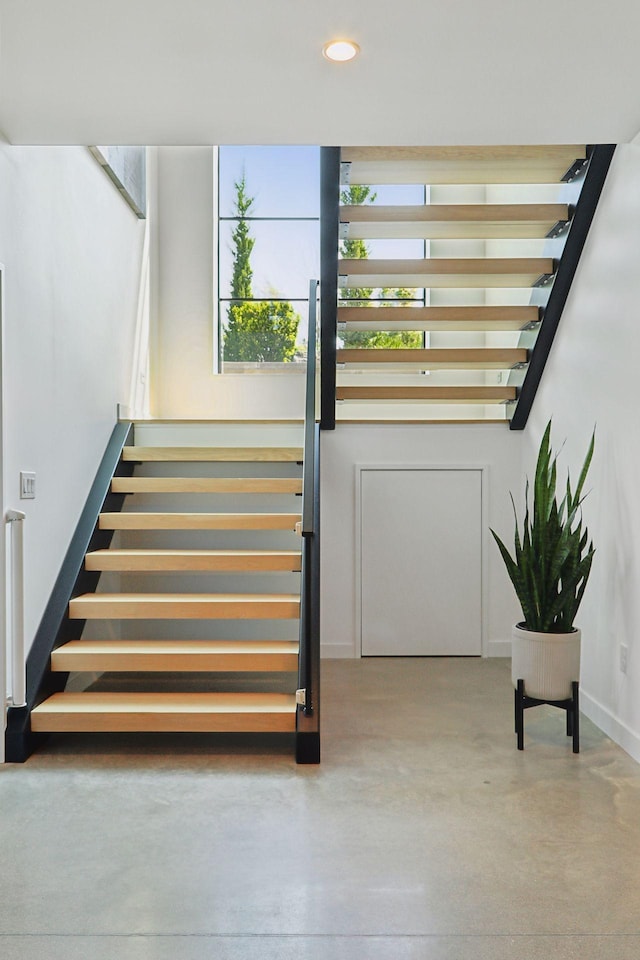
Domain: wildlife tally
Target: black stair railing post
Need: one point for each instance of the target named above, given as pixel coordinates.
(308, 710)
(329, 220)
(599, 163)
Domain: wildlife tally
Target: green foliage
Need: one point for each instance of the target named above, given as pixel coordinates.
(262, 330)
(360, 296)
(243, 245)
(355, 249)
(382, 339)
(552, 561)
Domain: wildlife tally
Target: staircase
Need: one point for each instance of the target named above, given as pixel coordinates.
(194, 626)
(441, 300)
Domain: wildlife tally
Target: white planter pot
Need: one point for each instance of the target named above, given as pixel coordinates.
(547, 662)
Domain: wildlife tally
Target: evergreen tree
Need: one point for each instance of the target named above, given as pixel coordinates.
(243, 245)
(257, 330)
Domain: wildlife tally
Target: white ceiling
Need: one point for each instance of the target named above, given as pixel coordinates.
(251, 71)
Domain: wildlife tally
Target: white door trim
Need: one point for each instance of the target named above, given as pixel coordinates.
(483, 469)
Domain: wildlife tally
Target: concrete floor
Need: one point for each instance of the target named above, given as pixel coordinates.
(423, 834)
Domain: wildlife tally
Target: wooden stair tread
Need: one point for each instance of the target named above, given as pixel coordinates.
(438, 318)
(433, 165)
(206, 485)
(166, 712)
(184, 606)
(176, 655)
(485, 358)
(471, 153)
(214, 454)
(444, 265)
(469, 394)
(129, 520)
(176, 560)
(451, 221)
(446, 272)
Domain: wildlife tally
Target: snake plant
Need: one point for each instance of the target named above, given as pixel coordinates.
(552, 560)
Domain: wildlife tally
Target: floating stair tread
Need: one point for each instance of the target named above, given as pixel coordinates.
(470, 394)
(446, 272)
(166, 712)
(185, 606)
(452, 221)
(179, 560)
(381, 165)
(176, 655)
(206, 485)
(438, 318)
(474, 153)
(214, 454)
(198, 521)
(482, 358)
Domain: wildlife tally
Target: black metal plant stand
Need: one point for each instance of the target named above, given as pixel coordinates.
(523, 702)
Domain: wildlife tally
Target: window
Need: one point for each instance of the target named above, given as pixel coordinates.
(268, 250)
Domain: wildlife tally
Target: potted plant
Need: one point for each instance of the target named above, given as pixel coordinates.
(549, 571)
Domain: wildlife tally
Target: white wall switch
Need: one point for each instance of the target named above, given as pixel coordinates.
(624, 650)
(27, 485)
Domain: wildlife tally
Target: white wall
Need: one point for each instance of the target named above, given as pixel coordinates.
(493, 445)
(183, 297)
(71, 249)
(591, 379)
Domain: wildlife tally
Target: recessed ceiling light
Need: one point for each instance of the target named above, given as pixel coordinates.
(341, 50)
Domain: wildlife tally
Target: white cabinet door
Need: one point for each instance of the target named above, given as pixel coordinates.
(421, 562)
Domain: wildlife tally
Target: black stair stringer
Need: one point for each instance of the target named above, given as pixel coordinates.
(599, 163)
(55, 627)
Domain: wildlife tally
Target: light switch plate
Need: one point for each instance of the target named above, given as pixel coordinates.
(27, 485)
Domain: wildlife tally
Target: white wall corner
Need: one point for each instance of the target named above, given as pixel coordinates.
(614, 728)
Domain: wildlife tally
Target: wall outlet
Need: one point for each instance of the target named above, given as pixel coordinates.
(624, 650)
(27, 485)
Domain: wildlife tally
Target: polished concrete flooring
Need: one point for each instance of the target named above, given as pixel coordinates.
(423, 835)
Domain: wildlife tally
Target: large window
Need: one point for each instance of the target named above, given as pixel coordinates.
(268, 249)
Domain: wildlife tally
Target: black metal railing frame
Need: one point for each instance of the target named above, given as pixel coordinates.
(308, 713)
(329, 224)
(600, 158)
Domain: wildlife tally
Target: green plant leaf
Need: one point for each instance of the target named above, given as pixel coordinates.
(551, 562)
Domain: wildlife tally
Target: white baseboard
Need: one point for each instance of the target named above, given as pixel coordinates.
(498, 648)
(337, 651)
(345, 651)
(618, 731)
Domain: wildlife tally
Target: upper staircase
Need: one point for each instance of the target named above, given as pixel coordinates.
(194, 626)
(440, 301)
